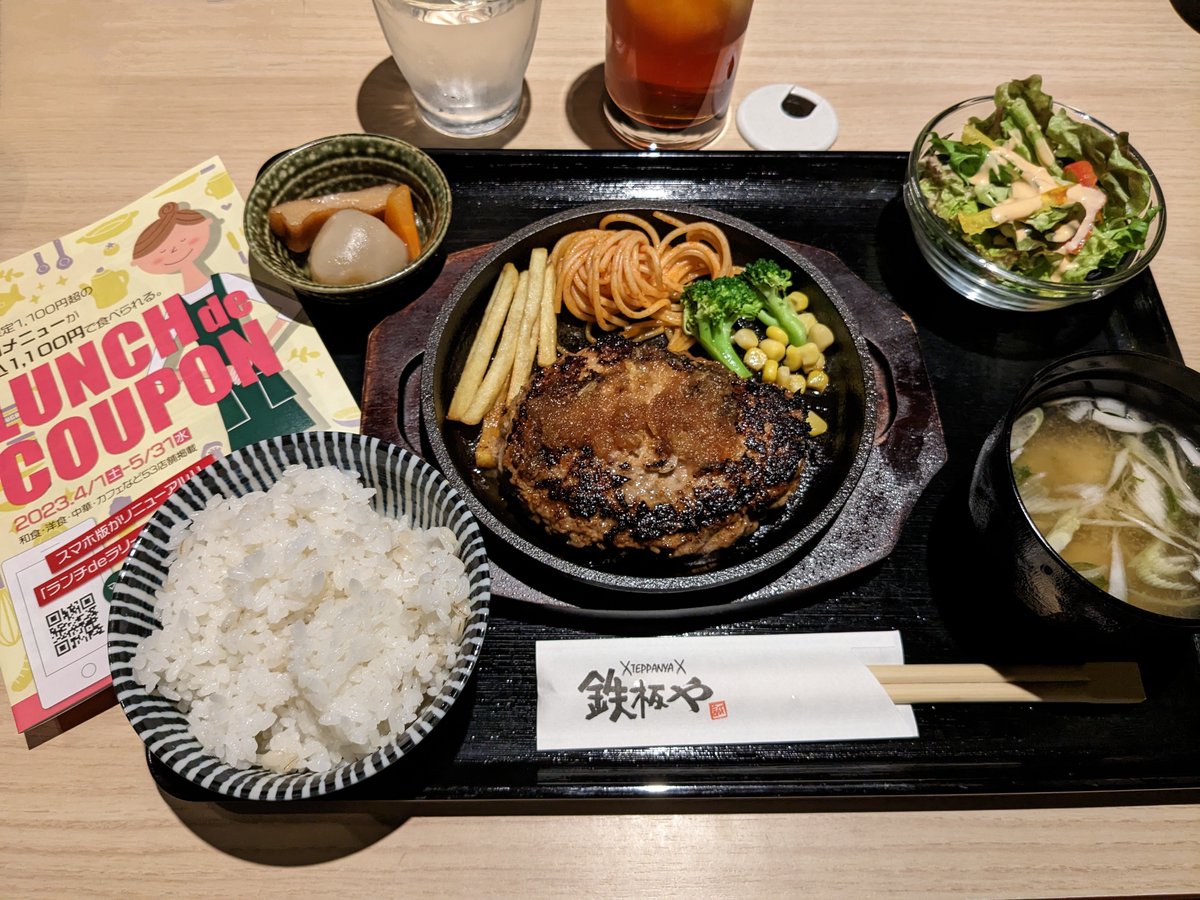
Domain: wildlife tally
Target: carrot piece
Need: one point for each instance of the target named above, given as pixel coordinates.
(398, 215)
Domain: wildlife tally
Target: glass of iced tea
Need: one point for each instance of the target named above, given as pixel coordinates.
(669, 68)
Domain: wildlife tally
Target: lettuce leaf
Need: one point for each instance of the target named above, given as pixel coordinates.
(948, 185)
(1108, 244)
(1030, 90)
(1126, 184)
(946, 192)
(964, 159)
(1015, 101)
(989, 194)
(1049, 219)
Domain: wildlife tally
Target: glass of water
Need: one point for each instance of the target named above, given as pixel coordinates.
(463, 59)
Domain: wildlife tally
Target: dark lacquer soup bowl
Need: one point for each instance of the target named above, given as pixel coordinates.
(1076, 594)
(848, 406)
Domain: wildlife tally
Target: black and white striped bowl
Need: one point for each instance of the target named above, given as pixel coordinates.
(404, 484)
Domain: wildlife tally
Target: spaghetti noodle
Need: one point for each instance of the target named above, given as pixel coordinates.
(631, 279)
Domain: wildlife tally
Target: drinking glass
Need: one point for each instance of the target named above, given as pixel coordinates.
(464, 60)
(669, 67)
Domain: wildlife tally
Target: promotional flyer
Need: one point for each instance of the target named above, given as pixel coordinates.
(132, 353)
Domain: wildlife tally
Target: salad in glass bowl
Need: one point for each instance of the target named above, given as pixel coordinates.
(1033, 204)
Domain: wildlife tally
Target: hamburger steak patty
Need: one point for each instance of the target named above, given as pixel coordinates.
(626, 446)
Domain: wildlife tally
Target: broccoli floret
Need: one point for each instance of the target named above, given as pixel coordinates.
(710, 310)
(772, 283)
(765, 317)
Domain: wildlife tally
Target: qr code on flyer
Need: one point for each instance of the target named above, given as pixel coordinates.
(74, 624)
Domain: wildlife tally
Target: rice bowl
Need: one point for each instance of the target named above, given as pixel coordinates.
(302, 642)
(224, 691)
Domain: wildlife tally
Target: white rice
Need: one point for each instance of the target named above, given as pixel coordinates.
(301, 629)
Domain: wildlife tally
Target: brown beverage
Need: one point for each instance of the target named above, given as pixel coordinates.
(670, 65)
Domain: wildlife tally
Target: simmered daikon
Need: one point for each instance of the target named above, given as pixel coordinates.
(355, 248)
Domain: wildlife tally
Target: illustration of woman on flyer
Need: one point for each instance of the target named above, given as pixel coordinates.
(176, 244)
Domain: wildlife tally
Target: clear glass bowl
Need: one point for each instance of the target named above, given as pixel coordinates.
(984, 281)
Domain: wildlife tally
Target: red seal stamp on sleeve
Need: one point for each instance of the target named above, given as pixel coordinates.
(717, 710)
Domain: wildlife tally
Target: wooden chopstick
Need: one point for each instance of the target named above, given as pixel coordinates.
(970, 673)
(1106, 682)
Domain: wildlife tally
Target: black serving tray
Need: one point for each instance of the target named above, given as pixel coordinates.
(934, 588)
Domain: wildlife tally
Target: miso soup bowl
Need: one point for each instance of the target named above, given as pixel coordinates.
(1032, 571)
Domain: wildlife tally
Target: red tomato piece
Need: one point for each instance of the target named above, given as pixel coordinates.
(1081, 172)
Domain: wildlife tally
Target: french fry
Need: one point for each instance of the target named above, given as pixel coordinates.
(548, 321)
(501, 367)
(527, 349)
(489, 435)
(485, 341)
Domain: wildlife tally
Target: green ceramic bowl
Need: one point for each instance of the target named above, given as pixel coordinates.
(344, 162)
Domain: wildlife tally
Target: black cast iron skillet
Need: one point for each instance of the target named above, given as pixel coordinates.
(849, 407)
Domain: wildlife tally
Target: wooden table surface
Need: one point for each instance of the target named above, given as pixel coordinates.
(101, 102)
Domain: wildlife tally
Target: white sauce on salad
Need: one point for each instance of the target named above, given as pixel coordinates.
(1023, 190)
(1028, 198)
(1016, 208)
(1037, 175)
(1064, 265)
(991, 163)
(1092, 200)
(1063, 231)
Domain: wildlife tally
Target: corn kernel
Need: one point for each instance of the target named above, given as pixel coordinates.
(809, 353)
(816, 425)
(745, 338)
(782, 374)
(792, 357)
(818, 380)
(770, 370)
(799, 300)
(755, 359)
(775, 333)
(797, 384)
(772, 348)
(821, 335)
(808, 319)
